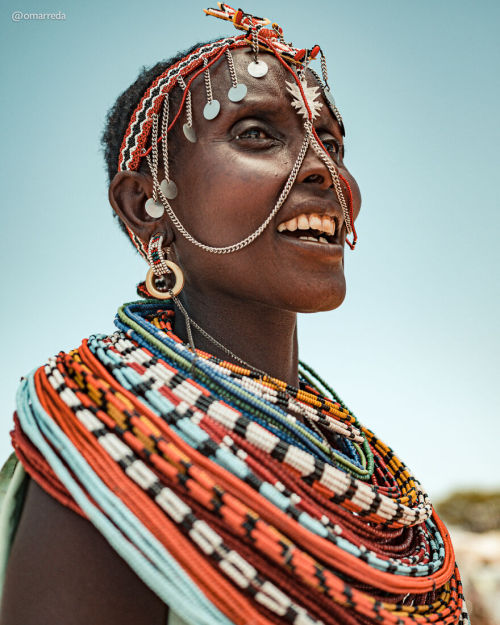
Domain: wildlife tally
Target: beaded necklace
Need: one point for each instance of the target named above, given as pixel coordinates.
(200, 474)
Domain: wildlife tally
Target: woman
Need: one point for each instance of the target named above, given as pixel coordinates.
(218, 478)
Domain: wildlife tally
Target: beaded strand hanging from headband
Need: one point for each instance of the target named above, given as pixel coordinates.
(154, 208)
(187, 128)
(167, 186)
(238, 90)
(212, 107)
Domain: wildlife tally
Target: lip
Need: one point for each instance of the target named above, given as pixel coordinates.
(321, 250)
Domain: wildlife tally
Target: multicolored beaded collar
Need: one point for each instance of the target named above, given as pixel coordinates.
(202, 477)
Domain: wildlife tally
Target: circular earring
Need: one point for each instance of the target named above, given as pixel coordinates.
(159, 268)
(154, 208)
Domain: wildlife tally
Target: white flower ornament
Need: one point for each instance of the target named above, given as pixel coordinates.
(311, 93)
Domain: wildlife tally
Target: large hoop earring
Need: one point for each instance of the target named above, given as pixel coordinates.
(159, 268)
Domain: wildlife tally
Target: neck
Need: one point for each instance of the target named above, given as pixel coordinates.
(264, 337)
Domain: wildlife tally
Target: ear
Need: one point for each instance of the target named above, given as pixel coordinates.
(128, 193)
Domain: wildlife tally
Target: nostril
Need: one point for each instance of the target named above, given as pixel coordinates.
(315, 178)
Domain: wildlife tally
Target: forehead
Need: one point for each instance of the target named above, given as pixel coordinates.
(272, 85)
(270, 90)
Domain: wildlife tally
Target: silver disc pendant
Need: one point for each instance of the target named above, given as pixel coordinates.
(154, 209)
(257, 69)
(236, 94)
(169, 189)
(189, 133)
(211, 109)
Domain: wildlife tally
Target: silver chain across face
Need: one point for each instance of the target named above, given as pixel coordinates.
(304, 100)
(309, 140)
(250, 238)
(335, 179)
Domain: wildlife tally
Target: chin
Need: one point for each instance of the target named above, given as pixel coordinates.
(318, 296)
(330, 301)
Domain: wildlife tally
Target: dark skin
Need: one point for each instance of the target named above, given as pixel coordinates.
(61, 570)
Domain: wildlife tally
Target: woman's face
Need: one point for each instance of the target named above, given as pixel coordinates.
(230, 180)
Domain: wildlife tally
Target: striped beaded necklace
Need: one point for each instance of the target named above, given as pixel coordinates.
(290, 399)
(200, 475)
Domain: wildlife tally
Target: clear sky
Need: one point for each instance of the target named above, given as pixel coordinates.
(414, 350)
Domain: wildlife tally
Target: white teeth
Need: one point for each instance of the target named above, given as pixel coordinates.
(305, 238)
(328, 225)
(323, 223)
(288, 225)
(315, 222)
(302, 222)
(322, 240)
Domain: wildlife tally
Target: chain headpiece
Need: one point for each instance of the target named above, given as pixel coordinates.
(150, 123)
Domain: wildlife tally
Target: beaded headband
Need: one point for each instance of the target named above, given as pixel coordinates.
(145, 135)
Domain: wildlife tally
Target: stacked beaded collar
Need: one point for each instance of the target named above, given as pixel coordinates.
(202, 477)
(146, 136)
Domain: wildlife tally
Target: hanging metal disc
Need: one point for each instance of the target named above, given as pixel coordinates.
(154, 209)
(236, 94)
(169, 189)
(257, 69)
(211, 109)
(189, 133)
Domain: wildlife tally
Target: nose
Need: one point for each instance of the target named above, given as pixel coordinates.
(314, 171)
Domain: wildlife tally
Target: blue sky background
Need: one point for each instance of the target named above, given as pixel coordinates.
(414, 350)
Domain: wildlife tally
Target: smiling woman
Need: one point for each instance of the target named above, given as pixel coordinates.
(231, 183)
(194, 469)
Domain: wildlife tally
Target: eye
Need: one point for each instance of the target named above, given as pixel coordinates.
(254, 133)
(251, 135)
(332, 146)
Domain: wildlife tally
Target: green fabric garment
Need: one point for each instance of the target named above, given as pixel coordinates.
(13, 483)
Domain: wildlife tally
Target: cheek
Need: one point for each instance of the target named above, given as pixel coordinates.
(224, 194)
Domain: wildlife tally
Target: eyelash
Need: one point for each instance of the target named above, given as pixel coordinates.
(241, 136)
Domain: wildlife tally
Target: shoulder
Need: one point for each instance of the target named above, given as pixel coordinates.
(61, 570)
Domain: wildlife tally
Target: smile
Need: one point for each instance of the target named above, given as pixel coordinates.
(313, 228)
